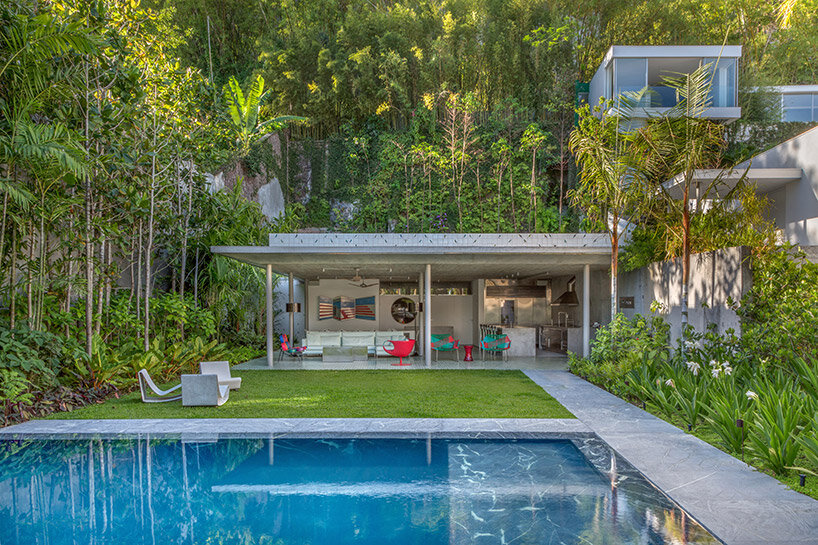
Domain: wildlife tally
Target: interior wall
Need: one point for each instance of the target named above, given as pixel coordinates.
(456, 311)
(332, 289)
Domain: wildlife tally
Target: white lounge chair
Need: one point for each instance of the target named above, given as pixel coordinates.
(146, 384)
(203, 390)
(222, 370)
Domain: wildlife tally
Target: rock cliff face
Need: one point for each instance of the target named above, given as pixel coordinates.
(275, 165)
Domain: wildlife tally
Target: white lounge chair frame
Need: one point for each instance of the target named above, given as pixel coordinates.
(146, 383)
(203, 390)
(222, 370)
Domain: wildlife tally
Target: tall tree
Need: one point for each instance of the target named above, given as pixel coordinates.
(611, 189)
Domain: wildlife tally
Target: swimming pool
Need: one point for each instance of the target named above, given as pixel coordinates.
(331, 490)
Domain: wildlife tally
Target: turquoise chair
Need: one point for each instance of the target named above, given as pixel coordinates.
(445, 343)
(496, 344)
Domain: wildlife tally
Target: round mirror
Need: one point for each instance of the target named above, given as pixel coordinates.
(403, 310)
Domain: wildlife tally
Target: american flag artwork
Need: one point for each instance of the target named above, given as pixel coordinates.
(324, 308)
(343, 308)
(365, 308)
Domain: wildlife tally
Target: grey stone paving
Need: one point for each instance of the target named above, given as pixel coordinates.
(738, 504)
(550, 361)
(266, 426)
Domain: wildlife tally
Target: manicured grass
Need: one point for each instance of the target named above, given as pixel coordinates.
(356, 394)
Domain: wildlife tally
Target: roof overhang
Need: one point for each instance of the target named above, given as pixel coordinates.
(670, 51)
(764, 180)
(393, 256)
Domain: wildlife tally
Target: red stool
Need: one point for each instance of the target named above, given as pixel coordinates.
(467, 348)
(400, 349)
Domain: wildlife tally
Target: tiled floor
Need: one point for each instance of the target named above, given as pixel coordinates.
(544, 362)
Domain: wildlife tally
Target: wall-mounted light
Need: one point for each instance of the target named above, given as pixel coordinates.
(420, 306)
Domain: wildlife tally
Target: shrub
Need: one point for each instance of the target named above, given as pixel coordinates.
(618, 348)
(38, 355)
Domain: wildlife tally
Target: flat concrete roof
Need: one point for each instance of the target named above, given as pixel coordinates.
(453, 256)
(764, 180)
(670, 51)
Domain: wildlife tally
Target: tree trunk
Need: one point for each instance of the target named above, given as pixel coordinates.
(685, 268)
(89, 244)
(100, 287)
(139, 272)
(614, 271)
(148, 255)
(183, 272)
(29, 274)
(196, 280)
(13, 278)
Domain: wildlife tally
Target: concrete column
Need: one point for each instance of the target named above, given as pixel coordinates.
(427, 316)
(269, 315)
(586, 311)
(421, 335)
(292, 312)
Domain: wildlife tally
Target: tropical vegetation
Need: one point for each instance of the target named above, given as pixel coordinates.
(755, 395)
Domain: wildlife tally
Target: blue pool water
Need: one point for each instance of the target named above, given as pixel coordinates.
(291, 491)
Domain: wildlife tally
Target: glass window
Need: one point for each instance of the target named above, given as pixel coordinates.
(797, 114)
(630, 75)
(800, 100)
(723, 89)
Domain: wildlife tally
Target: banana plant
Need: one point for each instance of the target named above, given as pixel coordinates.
(245, 110)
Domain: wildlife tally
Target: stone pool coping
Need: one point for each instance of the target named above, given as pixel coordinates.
(730, 498)
(735, 502)
(225, 427)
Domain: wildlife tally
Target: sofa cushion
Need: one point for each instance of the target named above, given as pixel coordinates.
(358, 338)
(331, 338)
(313, 338)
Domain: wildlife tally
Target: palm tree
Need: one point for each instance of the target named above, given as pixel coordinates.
(610, 189)
(676, 145)
(245, 112)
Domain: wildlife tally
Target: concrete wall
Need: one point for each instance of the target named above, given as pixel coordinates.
(795, 206)
(715, 277)
(281, 320)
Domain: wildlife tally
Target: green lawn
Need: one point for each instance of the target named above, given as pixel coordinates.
(356, 394)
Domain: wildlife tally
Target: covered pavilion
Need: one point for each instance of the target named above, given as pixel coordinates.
(494, 268)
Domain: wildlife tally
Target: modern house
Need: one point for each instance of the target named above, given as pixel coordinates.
(543, 290)
(787, 176)
(626, 68)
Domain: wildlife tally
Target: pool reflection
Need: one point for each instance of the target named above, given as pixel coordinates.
(300, 491)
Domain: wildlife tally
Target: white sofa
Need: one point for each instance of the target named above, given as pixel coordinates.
(315, 341)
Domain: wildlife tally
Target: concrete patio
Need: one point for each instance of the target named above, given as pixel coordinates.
(542, 362)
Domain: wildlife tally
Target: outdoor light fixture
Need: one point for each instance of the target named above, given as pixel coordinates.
(293, 307)
(802, 479)
(420, 306)
(739, 423)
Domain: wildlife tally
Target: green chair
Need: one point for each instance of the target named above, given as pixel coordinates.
(496, 344)
(445, 343)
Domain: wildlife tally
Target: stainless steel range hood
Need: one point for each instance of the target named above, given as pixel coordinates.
(569, 298)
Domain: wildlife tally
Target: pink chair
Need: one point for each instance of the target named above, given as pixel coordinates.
(399, 349)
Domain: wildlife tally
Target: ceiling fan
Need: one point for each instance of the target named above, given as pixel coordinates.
(358, 280)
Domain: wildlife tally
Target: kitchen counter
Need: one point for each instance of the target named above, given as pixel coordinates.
(523, 340)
